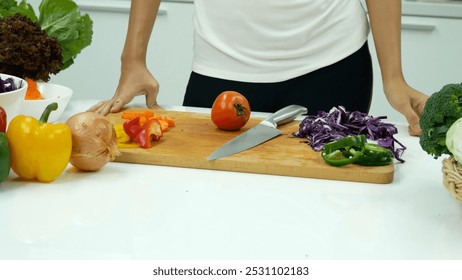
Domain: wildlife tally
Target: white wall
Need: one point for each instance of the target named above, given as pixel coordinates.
(96, 70)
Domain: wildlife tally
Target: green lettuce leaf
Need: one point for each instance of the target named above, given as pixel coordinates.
(11, 7)
(62, 19)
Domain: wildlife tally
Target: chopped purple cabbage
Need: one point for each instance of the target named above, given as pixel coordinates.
(7, 85)
(325, 127)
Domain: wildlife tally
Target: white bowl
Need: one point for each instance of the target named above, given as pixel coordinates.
(50, 93)
(11, 101)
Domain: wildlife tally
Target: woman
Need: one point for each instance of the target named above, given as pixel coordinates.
(308, 52)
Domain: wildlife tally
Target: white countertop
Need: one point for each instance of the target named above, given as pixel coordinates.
(130, 211)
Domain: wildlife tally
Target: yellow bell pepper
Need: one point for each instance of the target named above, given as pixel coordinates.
(39, 150)
(123, 140)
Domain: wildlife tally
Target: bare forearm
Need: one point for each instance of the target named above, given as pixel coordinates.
(385, 19)
(142, 17)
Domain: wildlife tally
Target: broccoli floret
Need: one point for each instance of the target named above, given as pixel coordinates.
(442, 109)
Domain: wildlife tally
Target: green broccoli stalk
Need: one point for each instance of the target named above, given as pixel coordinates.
(442, 109)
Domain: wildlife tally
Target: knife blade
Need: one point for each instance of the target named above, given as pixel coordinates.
(264, 131)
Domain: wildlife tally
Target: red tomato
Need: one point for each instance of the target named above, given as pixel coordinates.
(2, 120)
(230, 111)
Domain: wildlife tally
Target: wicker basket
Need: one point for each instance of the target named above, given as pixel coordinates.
(452, 177)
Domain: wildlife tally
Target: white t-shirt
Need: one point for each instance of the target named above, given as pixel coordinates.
(274, 40)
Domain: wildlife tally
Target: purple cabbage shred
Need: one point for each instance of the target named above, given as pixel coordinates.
(7, 85)
(325, 127)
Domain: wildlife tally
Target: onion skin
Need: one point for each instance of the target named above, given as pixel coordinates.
(94, 141)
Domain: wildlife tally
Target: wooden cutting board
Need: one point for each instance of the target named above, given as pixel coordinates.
(195, 137)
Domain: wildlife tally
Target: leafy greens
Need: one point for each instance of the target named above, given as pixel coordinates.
(60, 19)
(11, 7)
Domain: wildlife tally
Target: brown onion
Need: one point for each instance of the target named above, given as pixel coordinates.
(94, 141)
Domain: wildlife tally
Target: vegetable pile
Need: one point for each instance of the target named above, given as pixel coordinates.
(338, 123)
(35, 47)
(141, 128)
(87, 140)
(443, 108)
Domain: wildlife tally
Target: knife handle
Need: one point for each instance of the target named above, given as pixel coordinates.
(285, 115)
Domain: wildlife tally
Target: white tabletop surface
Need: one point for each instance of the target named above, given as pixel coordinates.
(130, 211)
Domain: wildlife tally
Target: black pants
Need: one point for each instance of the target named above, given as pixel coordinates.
(347, 83)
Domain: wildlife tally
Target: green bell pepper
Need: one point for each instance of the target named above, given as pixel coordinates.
(333, 152)
(4, 157)
(356, 150)
(374, 155)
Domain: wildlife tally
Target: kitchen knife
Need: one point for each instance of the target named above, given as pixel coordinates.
(262, 132)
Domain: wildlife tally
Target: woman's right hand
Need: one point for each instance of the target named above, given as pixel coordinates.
(134, 81)
(409, 102)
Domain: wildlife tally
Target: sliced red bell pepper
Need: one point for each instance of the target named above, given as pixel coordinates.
(143, 135)
(151, 130)
(132, 127)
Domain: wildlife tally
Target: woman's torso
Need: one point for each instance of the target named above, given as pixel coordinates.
(274, 40)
